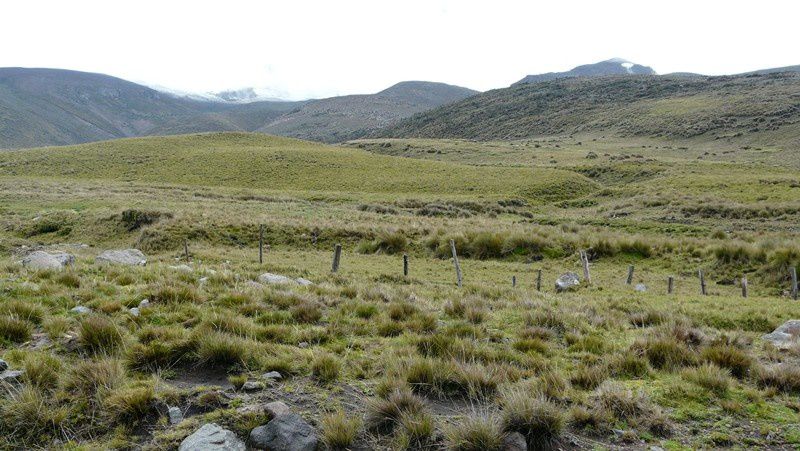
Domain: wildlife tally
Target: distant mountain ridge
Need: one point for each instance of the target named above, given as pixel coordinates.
(614, 66)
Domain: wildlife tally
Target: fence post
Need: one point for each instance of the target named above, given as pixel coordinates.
(630, 275)
(405, 265)
(744, 286)
(585, 262)
(538, 280)
(702, 282)
(261, 244)
(455, 262)
(337, 255)
(793, 270)
(186, 249)
(670, 284)
(513, 281)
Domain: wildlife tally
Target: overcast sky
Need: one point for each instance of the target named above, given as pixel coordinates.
(305, 48)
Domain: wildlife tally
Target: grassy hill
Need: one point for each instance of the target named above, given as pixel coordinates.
(614, 66)
(751, 110)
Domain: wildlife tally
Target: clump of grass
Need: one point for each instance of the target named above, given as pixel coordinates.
(69, 279)
(441, 378)
(710, 377)
(217, 349)
(15, 330)
(176, 293)
(647, 318)
(536, 332)
(665, 353)
(535, 417)
(326, 368)
(475, 433)
(730, 357)
(366, 310)
(387, 242)
(547, 319)
(629, 366)
(416, 429)
(89, 378)
(535, 345)
(100, 335)
(56, 326)
(306, 312)
(383, 414)
(237, 380)
(27, 413)
(588, 343)
(42, 370)
(623, 404)
(23, 310)
(338, 430)
(129, 405)
(784, 377)
(589, 377)
(401, 311)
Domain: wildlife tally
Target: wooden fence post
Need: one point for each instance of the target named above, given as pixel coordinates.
(744, 286)
(538, 280)
(261, 244)
(702, 282)
(513, 281)
(405, 265)
(670, 284)
(337, 255)
(630, 275)
(793, 271)
(455, 262)
(186, 249)
(585, 261)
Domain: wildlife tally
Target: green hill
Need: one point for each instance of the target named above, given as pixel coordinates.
(755, 109)
(282, 164)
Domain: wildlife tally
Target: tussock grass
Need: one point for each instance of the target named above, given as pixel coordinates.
(535, 417)
(99, 335)
(326, 368)
(710, 377)
(15, 330)
(339, 430)
(475, 432)
(384, 414)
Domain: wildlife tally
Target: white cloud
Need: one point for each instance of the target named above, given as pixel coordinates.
(318, 48)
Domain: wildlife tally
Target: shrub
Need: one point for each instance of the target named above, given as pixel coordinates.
(710, 377)
(326, 368)
(15, 330)
(383, 414)
(338, 430)
(475, 433)
(100, 335)
(730, 357)
(536, 418)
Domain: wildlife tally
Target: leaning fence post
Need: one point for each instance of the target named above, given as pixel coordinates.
(405, 265)
(538, 280)
(337, 255)
(702, 282)
(670, 284)
(513, 281)
(186, 249)
(455, 262)
(630, 275)
(744, 286)
(261, 244)
(793, 271)
(585, 261)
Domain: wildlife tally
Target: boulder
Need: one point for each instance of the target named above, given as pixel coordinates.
(11, 376)
(567, 281)
(515, 442)
(175, 415)
(286, 433)
(272, 375)
(3, 365)
(47, 260)
(273, 279)
(786, 335)
(640, 287)
(131, 257)
(251, 386)
(211, 437)
(276, 409)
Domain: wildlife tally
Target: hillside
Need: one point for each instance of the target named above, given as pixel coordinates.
(756, 109)
(614, 66)
(348, 117)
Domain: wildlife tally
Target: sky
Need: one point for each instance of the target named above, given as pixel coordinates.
(310, 49)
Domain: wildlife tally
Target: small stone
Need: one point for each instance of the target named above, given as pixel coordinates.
(273, 279)
(131, 257)
(11, 376)
(81, 310)
(3, 365)
(276, 408)
(303, 282)
(212, 437)
(251, 409)
(272, 375)
(175, 415)
(515, 442)
(144, 303)
(134, 312)
(251, 386)
(302, 344)
(567, 281)
(203, 280)
(640, 287)
(286, 433)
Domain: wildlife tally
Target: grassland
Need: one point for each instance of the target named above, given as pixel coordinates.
(375, 360)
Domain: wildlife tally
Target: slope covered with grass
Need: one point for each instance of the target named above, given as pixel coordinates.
(282, 164)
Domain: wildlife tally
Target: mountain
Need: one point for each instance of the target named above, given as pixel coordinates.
(614, 66)
(348, 117)
(774, 70)
(763, 108)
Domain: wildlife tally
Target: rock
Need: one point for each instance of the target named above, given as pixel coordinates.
(144, 303)
(251, 409)
(211, 437)
(567, 281)
(11, 376)
(515, 442)
(253, 285)
(286, 433)
(273, 279)
(640, 287)
(81, 310)
(252, 386)
(303, 282)
(276, 408)
(132, 257)
(175, 415)
(786, 335)
(3, 365)
(182, 268)
(134, 312)
(302, 344)
(46, 260)
(272, 375)
(203, 280)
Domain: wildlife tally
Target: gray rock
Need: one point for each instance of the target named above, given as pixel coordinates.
(273, 279)
(211, 437)
(786, 335)
(303, 282)
(640, 287)
(47, 260)
(11, 376)
(175, 415)
(135, 312)
(3, 365)
(81, 310)
(567, 281)
(181, 268)
(144, 303)
(251, 386)
(515, 442)
(272, 375)
(253, 285)
(276, 408)
(131, 257)
(285, 433)
(203, 280)
(251, 409)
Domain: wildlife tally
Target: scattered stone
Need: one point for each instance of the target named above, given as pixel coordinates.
(786, 335)
(272, 375)
(203, 279)
(253, 285)
(81, 310)
(11, 376)
(276, 408)
(251, 386)
(515, 442)
(567, 281)
(135, 312)
(3, 365)
(303, 282)
(251, 409)
(211, 437)
(656, 448)
(273, 279)
(175, 415)
(287, 433)
(132, 257)
(46, 260)
(640, 287)
(302, 344)
(182, 268)
(144, 303)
